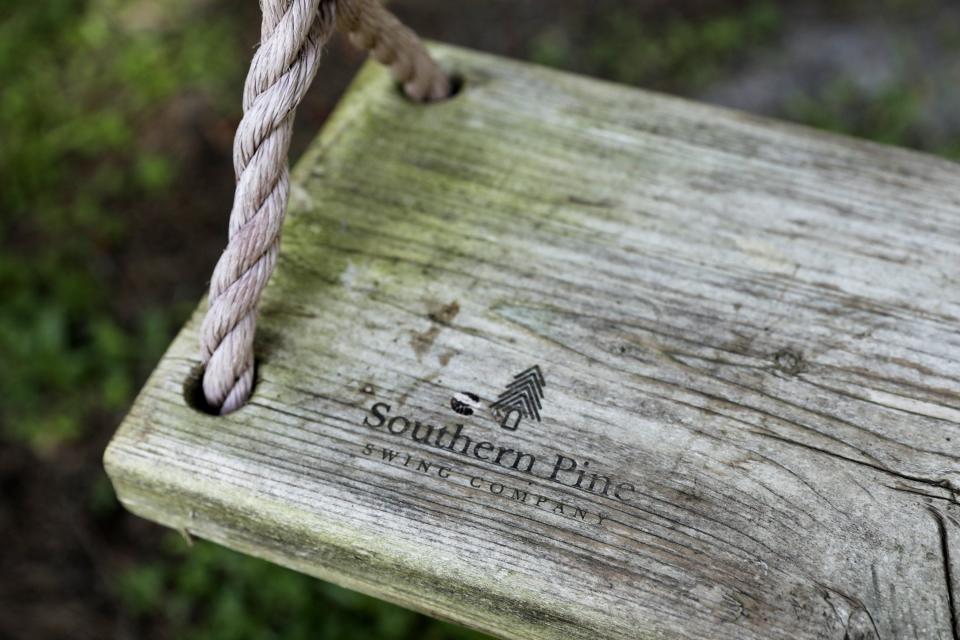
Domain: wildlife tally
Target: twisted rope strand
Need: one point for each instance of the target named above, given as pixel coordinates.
(371, 27)
(275, 86)
(293, 33)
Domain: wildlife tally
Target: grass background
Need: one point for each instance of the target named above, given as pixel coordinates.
(116, 123)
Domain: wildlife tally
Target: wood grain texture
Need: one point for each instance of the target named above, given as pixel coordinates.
(749, 331)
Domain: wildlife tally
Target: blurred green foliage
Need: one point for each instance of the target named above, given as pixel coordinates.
(205, 591)
(678, 52)
(81, 80)
(891, 114)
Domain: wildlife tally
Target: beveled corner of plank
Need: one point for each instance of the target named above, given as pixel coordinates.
(561, 359)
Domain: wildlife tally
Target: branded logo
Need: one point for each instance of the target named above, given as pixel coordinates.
(563, 483)
(521, 399)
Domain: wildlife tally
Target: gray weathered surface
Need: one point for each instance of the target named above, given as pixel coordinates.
(753, 329)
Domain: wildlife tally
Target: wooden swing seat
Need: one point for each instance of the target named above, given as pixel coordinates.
(557, 359)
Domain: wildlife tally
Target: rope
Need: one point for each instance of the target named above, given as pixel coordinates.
(373, 28)
(293, 33)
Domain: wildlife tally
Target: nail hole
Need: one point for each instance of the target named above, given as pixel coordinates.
(789, 361)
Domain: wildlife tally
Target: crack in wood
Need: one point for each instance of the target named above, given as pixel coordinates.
(947, 572)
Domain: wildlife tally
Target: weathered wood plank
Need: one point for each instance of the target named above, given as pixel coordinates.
(749, 331)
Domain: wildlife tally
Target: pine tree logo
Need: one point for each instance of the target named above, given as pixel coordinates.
(521, 399)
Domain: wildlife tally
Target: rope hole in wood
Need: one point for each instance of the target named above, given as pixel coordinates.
(196, 399)
(456, 80)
